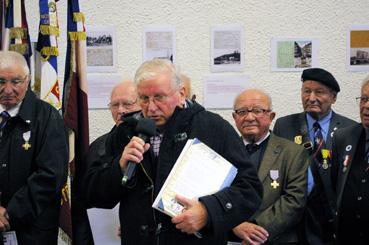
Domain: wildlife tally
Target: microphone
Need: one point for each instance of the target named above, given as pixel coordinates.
(145, 129)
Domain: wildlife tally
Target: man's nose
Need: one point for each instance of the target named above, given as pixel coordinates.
(151, 105)
(7, 87)
(312, 96)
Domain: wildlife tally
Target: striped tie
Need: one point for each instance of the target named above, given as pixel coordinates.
(4, 116)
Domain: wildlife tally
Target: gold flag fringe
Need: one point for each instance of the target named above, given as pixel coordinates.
(18, 32)
(21, 48)
(79, 17)
(49, 30)
(77, 36)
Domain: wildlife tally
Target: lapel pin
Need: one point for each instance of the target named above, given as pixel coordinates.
(298, 139)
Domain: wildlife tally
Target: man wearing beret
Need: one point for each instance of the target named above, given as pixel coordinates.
(314, 129)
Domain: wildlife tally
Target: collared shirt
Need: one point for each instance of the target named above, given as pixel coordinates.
(324, 125)
(246, 142)
(12, 112)
(257, 156)
(323, 122)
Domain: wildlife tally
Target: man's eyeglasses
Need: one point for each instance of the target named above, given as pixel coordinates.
(157, 99)
(257, 112)
(125, 104)
(14, 82)
(362, 99)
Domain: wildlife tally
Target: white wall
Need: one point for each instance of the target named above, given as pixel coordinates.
(325, 20)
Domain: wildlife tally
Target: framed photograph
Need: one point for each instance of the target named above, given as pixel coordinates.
(227, 48)
(358, 48)
(101, 49)
(294, 54)
(159, 42)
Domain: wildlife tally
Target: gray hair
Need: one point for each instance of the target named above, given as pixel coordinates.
(155, 67)
(10, 59)
(365, 82)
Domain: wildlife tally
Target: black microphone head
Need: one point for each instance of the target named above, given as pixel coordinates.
(131, 118)
(146, 127)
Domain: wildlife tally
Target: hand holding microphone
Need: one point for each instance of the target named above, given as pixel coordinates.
(133, 152)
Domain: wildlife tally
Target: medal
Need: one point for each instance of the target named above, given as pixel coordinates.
(274, 175)
(325, 154)
(26, 137)
(298, 139)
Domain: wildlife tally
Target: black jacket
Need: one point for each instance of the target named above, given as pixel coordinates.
(31, 193)
(139, 221)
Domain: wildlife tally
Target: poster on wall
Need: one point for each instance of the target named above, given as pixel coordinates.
(358, 48)
(294, 54)
(227, 48)
(99, 89)
(159, 42)
(221, 89)
(101, 49)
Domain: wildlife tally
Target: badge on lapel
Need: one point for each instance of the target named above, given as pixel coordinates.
(298, 139)
(274, 175)
(346, 162)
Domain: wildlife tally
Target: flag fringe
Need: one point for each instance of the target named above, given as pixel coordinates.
(77, 36)
(48, 51)
(49, 30)
(21, 48)
(18, 32)
(79, 17)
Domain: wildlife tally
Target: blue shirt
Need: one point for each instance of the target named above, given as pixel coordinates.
(324, 125)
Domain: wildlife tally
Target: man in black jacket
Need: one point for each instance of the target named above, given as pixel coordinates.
(161, 97)
(351, 176)
(33, 156)
(318, 93)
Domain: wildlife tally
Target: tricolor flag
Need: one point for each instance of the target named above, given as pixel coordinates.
(15, 35)
(75, 111)
(46, 84)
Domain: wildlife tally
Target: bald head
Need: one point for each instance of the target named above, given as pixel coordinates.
(123, 100)
(186, 81)
(253, 94)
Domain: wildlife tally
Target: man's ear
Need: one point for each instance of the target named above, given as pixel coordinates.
(182, 94)
(272, 115)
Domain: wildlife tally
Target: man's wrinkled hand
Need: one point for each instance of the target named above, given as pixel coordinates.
(251, 233)
(193, 217)
(4, 220)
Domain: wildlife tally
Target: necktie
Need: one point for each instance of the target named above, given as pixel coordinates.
(251, 148)
(319, 143)
(4, 116)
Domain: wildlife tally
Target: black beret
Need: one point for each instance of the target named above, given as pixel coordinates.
(322, 76)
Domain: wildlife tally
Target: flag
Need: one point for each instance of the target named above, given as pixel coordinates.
(46, 84)
(75, 114)
(15, 35)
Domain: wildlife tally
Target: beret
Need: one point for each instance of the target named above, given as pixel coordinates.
(322, 76)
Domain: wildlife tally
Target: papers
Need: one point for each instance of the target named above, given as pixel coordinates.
(104, 225)
(10, 238)
(198, 171)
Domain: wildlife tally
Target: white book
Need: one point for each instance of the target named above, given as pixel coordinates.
(198, 171)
